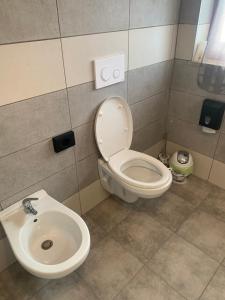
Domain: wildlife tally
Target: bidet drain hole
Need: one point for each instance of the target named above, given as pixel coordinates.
(47, 244)
(35, 220)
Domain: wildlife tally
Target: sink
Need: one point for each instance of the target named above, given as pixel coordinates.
(51, 244)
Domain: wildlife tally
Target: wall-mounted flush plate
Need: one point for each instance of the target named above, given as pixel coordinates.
(109, 70)
(63, 141)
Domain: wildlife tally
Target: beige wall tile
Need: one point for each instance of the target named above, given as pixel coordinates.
(202, 163)
(79, 53)
(30, 69)
(92, 195)
(185, 41)
(148, 46)
(217, 174)
(73, 203)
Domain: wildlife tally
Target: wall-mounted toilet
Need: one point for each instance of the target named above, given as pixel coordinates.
(126, 173)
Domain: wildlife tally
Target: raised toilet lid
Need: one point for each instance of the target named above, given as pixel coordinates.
(113, 127)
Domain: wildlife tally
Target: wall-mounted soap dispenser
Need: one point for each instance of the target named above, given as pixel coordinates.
(211, 115)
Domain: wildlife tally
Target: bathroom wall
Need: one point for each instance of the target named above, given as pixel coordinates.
(186, 100)
(47, 50)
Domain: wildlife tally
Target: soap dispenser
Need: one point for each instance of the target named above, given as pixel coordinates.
(211, 115)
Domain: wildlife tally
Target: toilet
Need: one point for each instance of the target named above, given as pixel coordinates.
(123, 172)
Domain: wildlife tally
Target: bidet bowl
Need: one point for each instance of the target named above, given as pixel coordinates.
(51, 244)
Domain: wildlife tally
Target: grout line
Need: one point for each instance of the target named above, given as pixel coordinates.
(43, 179)
(210, 280)
(82, 34)
(164, 280)
(126, 284)
(70, 116)
(164, 91)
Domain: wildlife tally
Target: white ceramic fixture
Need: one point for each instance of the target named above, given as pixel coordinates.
(109, 70)
(126, 173)
(51, 244)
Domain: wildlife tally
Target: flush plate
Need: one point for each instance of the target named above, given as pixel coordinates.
(109, 70)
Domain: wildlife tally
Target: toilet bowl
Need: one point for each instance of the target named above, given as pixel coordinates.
(126, 173)
(50, 244)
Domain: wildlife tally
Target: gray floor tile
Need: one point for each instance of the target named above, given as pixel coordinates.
(170, 210)
(207, 233)
(96, 232)
(148, 286)
(216, 288)
(109, 268)
(69, 288)
(215, 203)
(194, 191)
(18, 284)
(184, 267)
(109, 213)
(141, 235)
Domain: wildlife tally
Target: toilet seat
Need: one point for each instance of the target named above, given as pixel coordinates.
(138, 172)
(155, 174)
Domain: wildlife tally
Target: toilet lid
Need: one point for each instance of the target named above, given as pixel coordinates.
(113, 127)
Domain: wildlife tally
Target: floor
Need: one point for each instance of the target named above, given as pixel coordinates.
(171, 248)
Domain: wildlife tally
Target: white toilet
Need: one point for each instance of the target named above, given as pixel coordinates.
(126, 173)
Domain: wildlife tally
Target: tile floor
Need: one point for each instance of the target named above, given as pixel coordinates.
(171, 248)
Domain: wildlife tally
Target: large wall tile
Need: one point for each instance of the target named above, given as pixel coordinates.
(29, 166)
(148, 81)
(202, 163)
(191, 136)
(189, 12)
(146, 13)
(60, 186)
(79, 53)
(30, 121)
(87, 170)
(148, 46)
(92, 16)
(86, 196)
(85, 141)
(217, 174)
(185, 106)
(28, 20)
(220, 150)
(186, 41)
(149, 110)
(85, 99)
(185, 78)
(30, 69)
(148, 136)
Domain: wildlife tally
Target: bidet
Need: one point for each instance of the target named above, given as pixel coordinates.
(50, 244)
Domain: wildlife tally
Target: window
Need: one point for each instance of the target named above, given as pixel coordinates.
(215, 50)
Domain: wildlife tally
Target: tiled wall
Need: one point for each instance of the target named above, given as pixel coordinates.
(195, 19)
(186, 100)
(46, 87)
